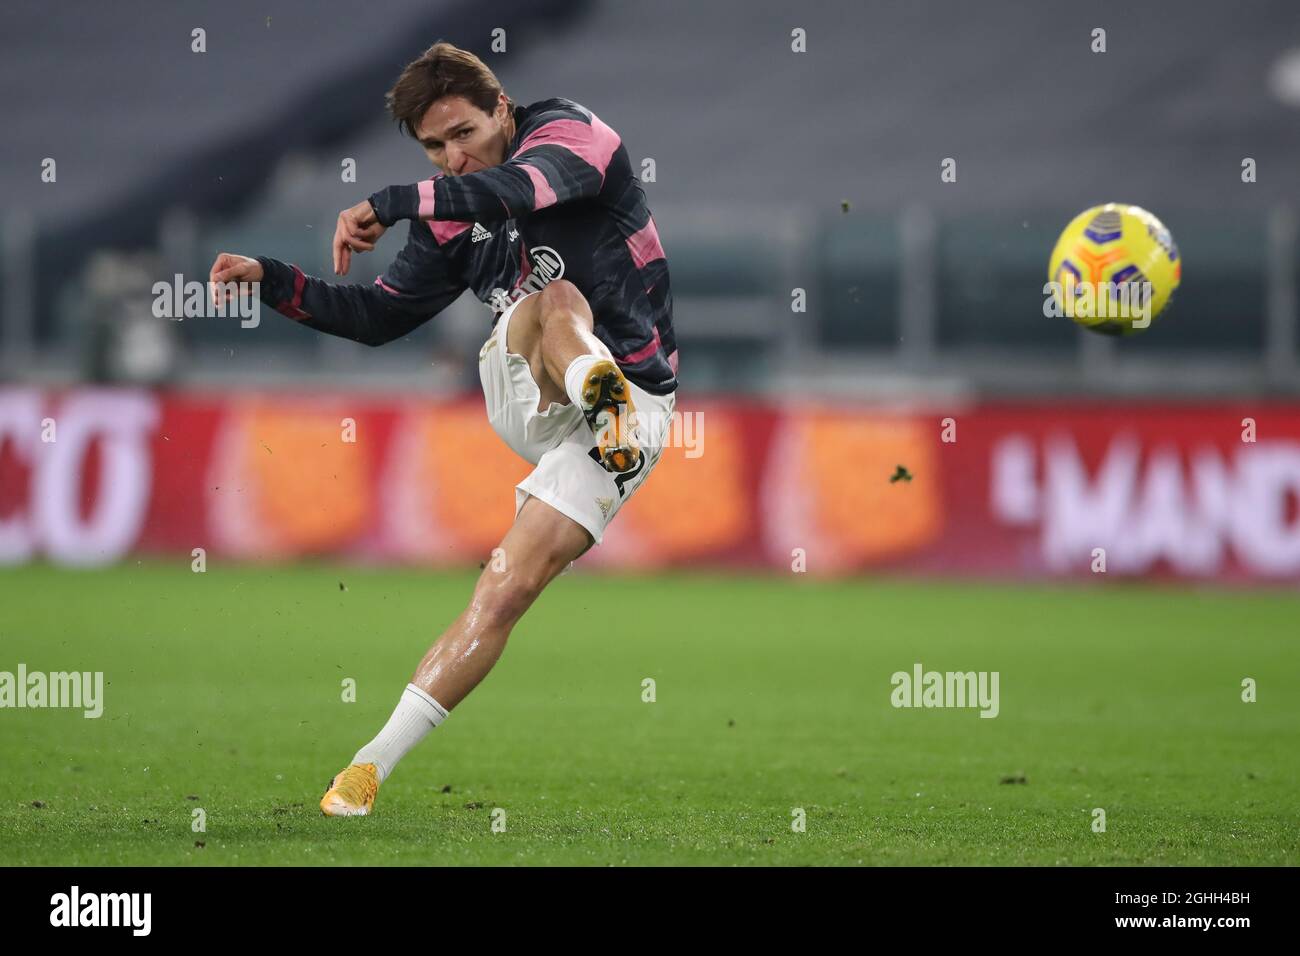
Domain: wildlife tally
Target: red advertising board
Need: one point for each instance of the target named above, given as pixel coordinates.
(1016, 490)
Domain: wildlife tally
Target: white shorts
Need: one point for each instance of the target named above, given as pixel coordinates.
(559, 440)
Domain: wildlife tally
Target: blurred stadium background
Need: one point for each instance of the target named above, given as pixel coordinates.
(771, 171)
(1177, 452)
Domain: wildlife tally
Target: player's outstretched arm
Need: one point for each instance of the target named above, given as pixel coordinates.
(417, 286)
(563, 158)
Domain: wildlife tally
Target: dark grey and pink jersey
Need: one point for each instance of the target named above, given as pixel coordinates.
(564, 204)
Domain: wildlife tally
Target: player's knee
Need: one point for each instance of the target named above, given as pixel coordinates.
(506, 595)
(561, 297)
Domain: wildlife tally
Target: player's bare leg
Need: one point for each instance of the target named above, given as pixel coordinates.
(538, 546)
(554, 330)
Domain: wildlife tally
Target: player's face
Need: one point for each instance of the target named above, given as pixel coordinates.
(460, 138)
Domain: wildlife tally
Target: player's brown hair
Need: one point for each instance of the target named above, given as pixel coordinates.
(442, 70)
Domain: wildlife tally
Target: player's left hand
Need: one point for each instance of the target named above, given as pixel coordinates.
(357, 231)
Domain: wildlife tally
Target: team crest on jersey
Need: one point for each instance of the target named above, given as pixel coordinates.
(547, 263)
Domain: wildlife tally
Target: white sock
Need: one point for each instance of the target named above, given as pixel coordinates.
(415, 715)
(573, 376)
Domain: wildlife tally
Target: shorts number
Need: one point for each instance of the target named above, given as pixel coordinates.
(620, 478)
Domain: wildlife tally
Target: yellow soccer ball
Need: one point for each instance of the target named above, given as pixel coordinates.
(1113, 270)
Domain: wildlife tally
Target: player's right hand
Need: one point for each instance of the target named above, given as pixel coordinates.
(229, 267)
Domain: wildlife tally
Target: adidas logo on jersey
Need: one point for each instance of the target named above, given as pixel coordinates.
(479, 234)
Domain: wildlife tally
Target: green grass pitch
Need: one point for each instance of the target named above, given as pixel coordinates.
(224, 692)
